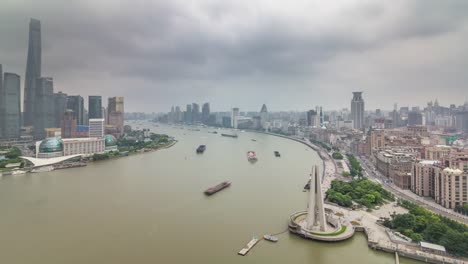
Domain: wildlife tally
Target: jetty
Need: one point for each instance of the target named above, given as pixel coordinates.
(248, 247)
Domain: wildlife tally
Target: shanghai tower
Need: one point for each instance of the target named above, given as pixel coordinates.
(33, 70)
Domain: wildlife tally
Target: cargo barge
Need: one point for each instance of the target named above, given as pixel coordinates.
(201, 149)
(229, 135)
(217, 188)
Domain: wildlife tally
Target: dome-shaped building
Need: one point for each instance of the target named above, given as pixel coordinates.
(111, 143)
(50, 147)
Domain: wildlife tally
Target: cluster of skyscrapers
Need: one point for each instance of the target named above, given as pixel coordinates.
(47, 113)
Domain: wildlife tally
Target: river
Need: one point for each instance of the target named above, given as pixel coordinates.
(150, 208)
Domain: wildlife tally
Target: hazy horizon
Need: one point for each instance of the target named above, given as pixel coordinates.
(290, 56)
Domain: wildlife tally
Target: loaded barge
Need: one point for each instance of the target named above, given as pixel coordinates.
(229, 135)
(217, 188)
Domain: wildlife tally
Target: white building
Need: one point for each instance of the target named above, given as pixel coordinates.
(96, 128)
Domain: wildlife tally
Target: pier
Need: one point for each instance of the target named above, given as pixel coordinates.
(248, 247)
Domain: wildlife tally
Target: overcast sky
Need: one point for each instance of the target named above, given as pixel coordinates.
(290, 55)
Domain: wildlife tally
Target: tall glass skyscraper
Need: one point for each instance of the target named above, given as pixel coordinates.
(76, 103)
(357, 110)
(12, 106)
(95, 107)
(44, 116)
(33, 70)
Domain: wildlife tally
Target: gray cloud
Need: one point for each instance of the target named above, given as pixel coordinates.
(245, 53)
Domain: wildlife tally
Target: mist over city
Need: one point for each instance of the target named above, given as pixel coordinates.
(246, 53)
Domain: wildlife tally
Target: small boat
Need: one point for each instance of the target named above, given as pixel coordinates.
(277, 154)
(270, 238)
(251, 156)
(254, 140)
(201, 149)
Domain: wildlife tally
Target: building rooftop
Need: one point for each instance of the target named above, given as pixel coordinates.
(432, 246)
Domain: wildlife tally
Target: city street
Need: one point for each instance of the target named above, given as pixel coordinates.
(407, 194)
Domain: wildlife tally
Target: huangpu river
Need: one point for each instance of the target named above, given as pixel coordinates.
(150, 208)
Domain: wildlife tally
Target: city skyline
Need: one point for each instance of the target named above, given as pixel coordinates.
(274, 61)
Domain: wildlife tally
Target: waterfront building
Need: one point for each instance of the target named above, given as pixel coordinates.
(10, 108)
(76, 103)
(60, 106)
(96, 128)
(68, 124)
(178, 114)
(357, 110)
(44, 106)
(95, 107)
(56, 147)
(234, 117)
(205, 113)
(451, 187)
(110, 143)
(188, 114)
(33, 71)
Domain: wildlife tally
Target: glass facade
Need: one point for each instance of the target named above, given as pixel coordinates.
(49, 145)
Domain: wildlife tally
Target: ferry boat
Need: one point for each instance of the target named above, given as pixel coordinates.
(251, 156)
(201, 149)
(217, 188)
(277, 154)
(270, 238)
(229, 135)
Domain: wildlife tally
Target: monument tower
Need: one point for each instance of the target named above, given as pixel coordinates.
(316, 212)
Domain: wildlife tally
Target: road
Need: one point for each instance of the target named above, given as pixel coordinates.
(430, 205)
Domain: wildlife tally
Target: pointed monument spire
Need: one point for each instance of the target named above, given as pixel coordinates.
(316, 211)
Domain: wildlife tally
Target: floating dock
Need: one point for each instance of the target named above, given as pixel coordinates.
(249, 246)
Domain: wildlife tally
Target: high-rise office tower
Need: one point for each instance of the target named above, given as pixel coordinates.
(188, 114)
(95, 107)
(415, 118)
(205, 112)
(76, 103)
(43, 106)
(10, 96)
(312, 118)
(178, 114)
(60, 105)
(357, 110)
(68, 124)
(195, 113)
(234, 116)
(33, 71)
(115, 112)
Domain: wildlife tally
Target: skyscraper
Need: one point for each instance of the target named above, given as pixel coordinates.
(95, 107)
(195, 113)
(60, 105)
(115, 112)
(263, 117)
(96, 127)
(33, 71)
(10, 92)
(234, 116)
(205, 113)
(76, 103)
(357, 110)
(188, 114)
(43, 106)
